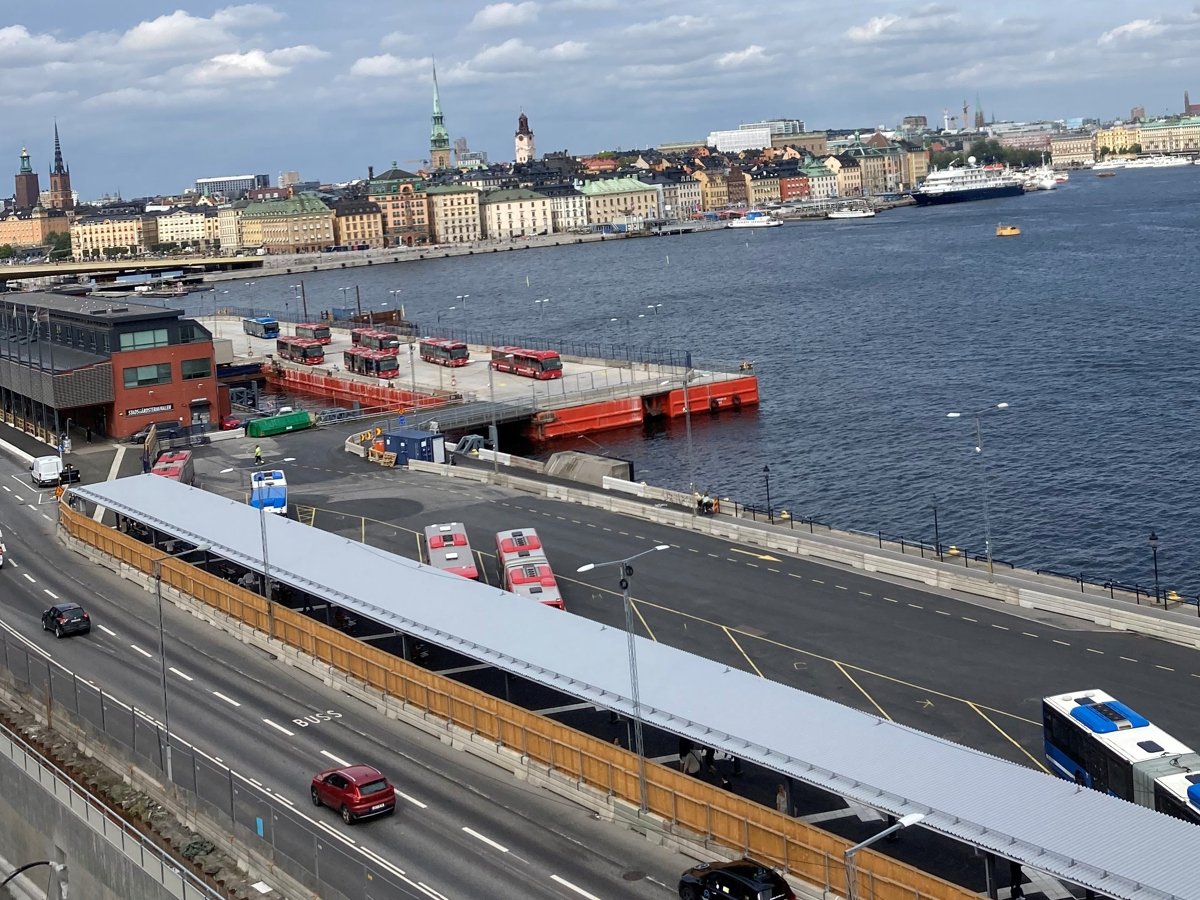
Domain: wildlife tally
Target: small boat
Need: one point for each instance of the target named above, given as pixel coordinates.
(1106, 174)
(851, 211)
(1061, 177)
(1003, 230)
(754, 219)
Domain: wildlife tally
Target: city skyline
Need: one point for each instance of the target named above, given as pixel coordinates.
(149, 97)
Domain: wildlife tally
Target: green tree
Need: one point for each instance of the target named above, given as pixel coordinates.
(59, 243)
(7, 252)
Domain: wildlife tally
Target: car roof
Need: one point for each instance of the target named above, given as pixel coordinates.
(750, 869)
(67, 605)
(358, 774)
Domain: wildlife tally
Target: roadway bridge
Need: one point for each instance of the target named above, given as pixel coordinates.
(106, 271)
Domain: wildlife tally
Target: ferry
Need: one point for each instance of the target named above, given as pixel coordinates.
(971, 182)
(1157, 161)
(861, 210)
(754, 219)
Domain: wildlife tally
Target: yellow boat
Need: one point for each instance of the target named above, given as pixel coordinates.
(1007, 230)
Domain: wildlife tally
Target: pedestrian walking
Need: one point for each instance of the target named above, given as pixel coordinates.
(782, 803)
(88, 434)
(257, 455)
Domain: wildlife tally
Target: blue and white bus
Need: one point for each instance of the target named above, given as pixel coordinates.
(1095, 740)
(261, 326)
(268, 491)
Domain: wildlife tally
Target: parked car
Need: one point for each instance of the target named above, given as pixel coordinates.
(743, 879)
(357, 792)
(229, 423)
(66, 618)
(166, 431)
(47, 470)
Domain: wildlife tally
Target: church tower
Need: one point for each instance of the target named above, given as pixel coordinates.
(979, 120)
(27, 188)
(60, 179)
(524, 142)
(439, 138)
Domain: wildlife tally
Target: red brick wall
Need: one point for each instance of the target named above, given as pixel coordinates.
(179, 394)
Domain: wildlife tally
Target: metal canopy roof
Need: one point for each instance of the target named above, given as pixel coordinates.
(1072, 833)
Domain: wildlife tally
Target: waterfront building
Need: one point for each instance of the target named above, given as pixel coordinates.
(189, 226)
(111, 367)
(454, 213)
(300, 225)
(523, 140)
(1170, 135)
(794, 186)
(737, 140)
(229, 226)
(231, 187)
(762, 187)
(735, 187)
(1117, 139)
(679, 193)
(568, 207)
(822, 183)
(61, 195)
(28, 192)
(439, 138)
(1072, 150)
(515, 212)
(714, 188)
(401, 198)
(23, 228)
(848, 174)
(620, 200)
(914, 163)
(116, 234)
(358, 223)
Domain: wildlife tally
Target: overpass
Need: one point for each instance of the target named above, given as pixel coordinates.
(107, 270)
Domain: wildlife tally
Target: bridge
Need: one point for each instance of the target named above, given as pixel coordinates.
(110, 269)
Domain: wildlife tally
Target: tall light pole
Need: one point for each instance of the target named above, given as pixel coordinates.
(462, 298)
(439, 315)
(654, 306)
(495, 432)
(542, 305)
(987, 525)
(848, 857)
(767, 478)
(1154, 554)
(635, 694)
(162, 646)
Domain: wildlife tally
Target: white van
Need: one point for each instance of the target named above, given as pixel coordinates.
(45, 470)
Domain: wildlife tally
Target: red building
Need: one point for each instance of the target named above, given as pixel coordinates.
(794, 187)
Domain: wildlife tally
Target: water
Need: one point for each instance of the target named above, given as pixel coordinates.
(864, 334)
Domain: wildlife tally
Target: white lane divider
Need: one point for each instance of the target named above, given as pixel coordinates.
(141, 651)
(106, 630)
(336, 759)
(50, 593)
(413, 800)
(228, 700)
(487, 840)
(574, 887)
(183, 675)
(280, 728)
(29, 578)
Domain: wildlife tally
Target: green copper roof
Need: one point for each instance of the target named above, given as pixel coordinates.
(297, 206)
(614, 186)
(509, 194)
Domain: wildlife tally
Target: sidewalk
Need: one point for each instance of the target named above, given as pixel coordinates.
(95, 461)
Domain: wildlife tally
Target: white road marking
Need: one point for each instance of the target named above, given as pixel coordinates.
(841, 587)
(1064, 643)
(228, 700)
(1127, 658)
(183, 675)
(1001, 627)
(817, 581)
(7, 488)
(1029, 634)
(336, 759)
(51, 593)
(141, 651)
(580, 891)
(794, 575)
(969, 619)
(941, 612)
(914, 606)
(863, 594)
(1100, 652)
(1165, 668)
(29, 578)
(46, 517)
(280, 728)
(24, 639)
(413, 800)
(487, 840)
(334, 831)
(106, 630)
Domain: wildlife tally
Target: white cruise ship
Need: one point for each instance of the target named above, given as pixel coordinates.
(971, 182)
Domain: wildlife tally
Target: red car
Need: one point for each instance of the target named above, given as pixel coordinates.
(357, 792)
(231, 422)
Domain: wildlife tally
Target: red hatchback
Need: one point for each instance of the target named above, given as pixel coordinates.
(357, 792)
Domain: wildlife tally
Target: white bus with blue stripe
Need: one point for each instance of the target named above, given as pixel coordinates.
(1095, 740)
(268, 491)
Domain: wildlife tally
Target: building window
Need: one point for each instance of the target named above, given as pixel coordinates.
(144, 376)
(142, 340)
(196, 368)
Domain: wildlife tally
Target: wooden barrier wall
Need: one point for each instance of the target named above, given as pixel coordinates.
(685, 802)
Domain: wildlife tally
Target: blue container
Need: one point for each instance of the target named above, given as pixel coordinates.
(409, 443)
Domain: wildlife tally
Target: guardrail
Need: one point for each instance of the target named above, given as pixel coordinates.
(680, 803)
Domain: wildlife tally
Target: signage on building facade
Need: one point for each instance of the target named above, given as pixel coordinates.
(145, 410)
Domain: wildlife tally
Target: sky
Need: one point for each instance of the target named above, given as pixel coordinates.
(151, 96)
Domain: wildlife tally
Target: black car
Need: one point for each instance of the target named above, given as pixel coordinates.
(66, 618)
(743, 879)
(166, 431)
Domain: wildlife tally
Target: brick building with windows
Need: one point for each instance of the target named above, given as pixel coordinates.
(112, 366)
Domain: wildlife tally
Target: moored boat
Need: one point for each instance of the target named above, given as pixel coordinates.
(860, 210)
(754, 219)
(971, 182)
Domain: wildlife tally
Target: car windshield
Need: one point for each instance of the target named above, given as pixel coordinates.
(75, 613)
(373, 787)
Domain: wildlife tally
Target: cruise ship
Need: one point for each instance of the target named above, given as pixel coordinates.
(971, 182)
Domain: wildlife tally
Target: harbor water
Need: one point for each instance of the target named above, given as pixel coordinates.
(865, 334)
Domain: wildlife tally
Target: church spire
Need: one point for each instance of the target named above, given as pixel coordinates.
(59, 168)
(439, 138)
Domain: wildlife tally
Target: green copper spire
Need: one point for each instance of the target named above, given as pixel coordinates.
(26, 168)
(439, 138)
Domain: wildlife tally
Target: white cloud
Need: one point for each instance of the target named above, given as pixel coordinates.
(673, 25)
(875, 28)
(388, 66)
(754, 55)
(511, 55)
(568, 50)
(398, 40)
(173, 31)
(1138, 29)
(247, 15)
(505, 15)
(17, 45)
(922, 24)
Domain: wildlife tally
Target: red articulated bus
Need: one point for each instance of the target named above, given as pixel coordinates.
(176, 465)
(314, 330)
(539, 364)
(307, 351)
(523, 567)
(370, 339)
(376, 363)
(447, 548)
(445, 352)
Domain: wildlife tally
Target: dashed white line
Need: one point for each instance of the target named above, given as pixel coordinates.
(280, 728)
(413, 800)
(969, 619)
(1001, 627)
(941, 612)
(1029, 634)
(50, 593)
(752, 565)
(714, 556)
(864, 594)
(106, 630)
(914, 605)
(817, 581)
(769, 569)
(141, 651)
(229, 700)
(1164, 668)
(1063, 643)
(1127, 658)
(336, 759)
(184, 675)
(890, 600)
(794, 575)
(580, 891)
(487, 840)
(29, 578)
(46, 517)
(1098, 652)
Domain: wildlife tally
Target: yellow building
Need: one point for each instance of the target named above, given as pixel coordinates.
(358, 223)
(762, 188)
(455, 214)
(116, 235)
(714, 189)
(32, 227)
(1116, 140)
(189, 227)
(624, 200)
(1072, 150)
(1170, 135)
(405, 208)
(301, 225)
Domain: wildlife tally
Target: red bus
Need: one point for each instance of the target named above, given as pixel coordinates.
(300, 350)
(534, 580)
(539, 364)
(518, 546)
(176, 465)
(314, 330)
(371, 339)
(447, 548)
(376, 363)
(445, 352)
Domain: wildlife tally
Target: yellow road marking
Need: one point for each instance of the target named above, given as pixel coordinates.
(1033, 759)
(850, 678)
(641, 618)
(741, 650)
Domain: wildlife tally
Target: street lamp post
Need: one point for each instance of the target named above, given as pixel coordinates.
(848, 857)
(542, 306)
(1154, 554)
(767, 478)
(987, 525)
(462, 298)
(635, 694)
(162, 647)
(654, 306)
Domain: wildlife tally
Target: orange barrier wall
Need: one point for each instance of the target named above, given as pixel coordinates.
(589, 418)
(317, 380)
(718, 397)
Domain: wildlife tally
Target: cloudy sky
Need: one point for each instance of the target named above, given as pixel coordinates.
(150, 96)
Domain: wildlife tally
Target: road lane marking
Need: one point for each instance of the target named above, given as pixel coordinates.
(182, 675)
(574, 887)
(941, 612)
(1029, 634)
(228, 700)
(969, 619)
(106, 630)
(51, 593)
(487, 840)
(336, 759)
(1009, 738)
(280, 728)
(336, 833)
(1001, 627)
(413, 800)
(141, 651)
(817, 581)
(29, 578)
(850, 677)
(729, 634)
(1064, 643)
(864, 593)
(794, 575)
(914, 605)
(841, 587)
(1164, 668)
(765, 557)
(1127, 658)
(23, 639)
(1099, 652)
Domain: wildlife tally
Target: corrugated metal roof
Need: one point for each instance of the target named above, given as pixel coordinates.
(1073, 833)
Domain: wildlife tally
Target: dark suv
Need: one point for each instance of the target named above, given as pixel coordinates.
(744, 879)
(66, 618)
(167, 431)
(357, 792)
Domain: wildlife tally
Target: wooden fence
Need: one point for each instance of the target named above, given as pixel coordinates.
(686, 803)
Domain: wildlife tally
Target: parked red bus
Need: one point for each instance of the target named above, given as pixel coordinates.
(314, 330)
(445, 352)
(539, 364)
(376, 363)
(300, 350)
(371, 339)
(176, 465)
(447, 548)
(536, 581)
(520, 545)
